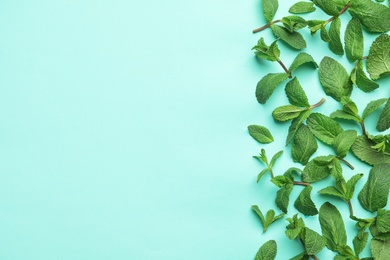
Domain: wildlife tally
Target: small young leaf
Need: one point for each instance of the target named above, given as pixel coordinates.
(281, 181)
(324, 34)
(258, 212)
(295, 227)
(315, 25)
(263, 51)
(323, 127)
(283, 197)
(384, 119)
(269, 9)
(378, 60)
(260, 134)
(302, 7)
(383, 221)
(267, 251)
(375, 192)
(293, 23)
(363, 149)
(294, 39)
(304, 145)
(354, 41)
(295, 124)
(343, 142)
(372, 106)
(295, 93)
(332, 226)
(274, 158)
(334, 78)
(267, 85)
(301, 59)
(261, 174)
(327, 6)
(375, 17)
(335, 44)
(360, 242)
(351, 183)
(313, 241)
(361, 79)
(287, 112)
(268, 219)
(304, 203)
(380, 249)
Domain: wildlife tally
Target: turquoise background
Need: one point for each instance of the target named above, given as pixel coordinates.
(123, 130)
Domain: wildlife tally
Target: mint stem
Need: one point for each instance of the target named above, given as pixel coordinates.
(345, 8)
(363, 127)
(318, 104)
(350, 208)
(265, 26)
(270, 171)
(301, 183)
(347, 163)
(285, 69)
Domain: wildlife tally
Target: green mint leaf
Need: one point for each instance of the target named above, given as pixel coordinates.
(340, 3)
(295, 93)
(378, 235)
(332, 191)
(283, 197)
(261, 174)
(324, 34)
(263, 51)
(332, 226)
(384, 119)
(304, 145)
(304, 203)
(314, 172)
(295, 124)
(335, 169)
(294, 39)
(335, 44)
(268, 84)
(375, 192)
(269, 9)
(345, 253)
(274, 158)
(323, 127)
(380, 249)
(287, 112)
(267, 251)
(315, 25)
(293, 23)
(313, 241)
(372, 106)
(334, 78)
(301, 256)
(340, 114)
(324, 160)
(383, 221)
(302, 7)
(301, 59)
(268, 219)
(281, 181)
(351, 185)
(378, 60)
(327, 6)
(258, 212)
(360, 242)
(354, 41)
(260, 134)
(343, 142)
(363, 149)
(295, 227)
(360, 79)
(375, 17)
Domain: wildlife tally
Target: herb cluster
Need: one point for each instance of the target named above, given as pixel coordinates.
(308, 129)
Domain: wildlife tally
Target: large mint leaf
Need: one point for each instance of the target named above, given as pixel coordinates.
(267, 251)
(295, 93)
(304, 145)
(304, 203)
(295, 124)
(343, 142)
(378, 60)
(384, 119)
(354, 41)
(314, 171)
(335, 44)
(375, 192)
(302, 7)
(301, 59)
(383, 221)
(362, 148)
(260, 134)
(313, 241)
(269, 9)
(323, 127)
(380, 249)
(334, 78)
(360, 79)
(327, 6)
(283, 197)
(332, 226)
(372, 106)
(267, 85)
(375, 17)
(294, 39)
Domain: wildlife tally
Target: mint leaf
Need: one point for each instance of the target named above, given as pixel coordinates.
(274, 158)
(335, 44)
(375, 192)
(351, 185)
(293, 23)
(363, 149)
(302, 7)
(375, 17)
(258, 212)
(269, 219)
(295, 227)
(294, 39)
(269, 9)
(301, 256)
(360, 79)
(295, 124)
(301, 59)
(283, 197)
(332, 191)
(313, 241)
(380, 249)
(267, 251)
(372, 106)
(340, 114)
(327, 6)
(324, 34)
(378, 60)
(304, 203)
(260, 134)
(314, 172)
(332, 226)
(281, 180)
(343, 142)
(384, 119)
(354, 41)
(378, 235)
(334, 78)
(304, 145)
(315, 25)
(360, 242)
(263, 51)
(285, 113)
(295, 93)
(323, 127)
(267, 85)
(383, 221)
